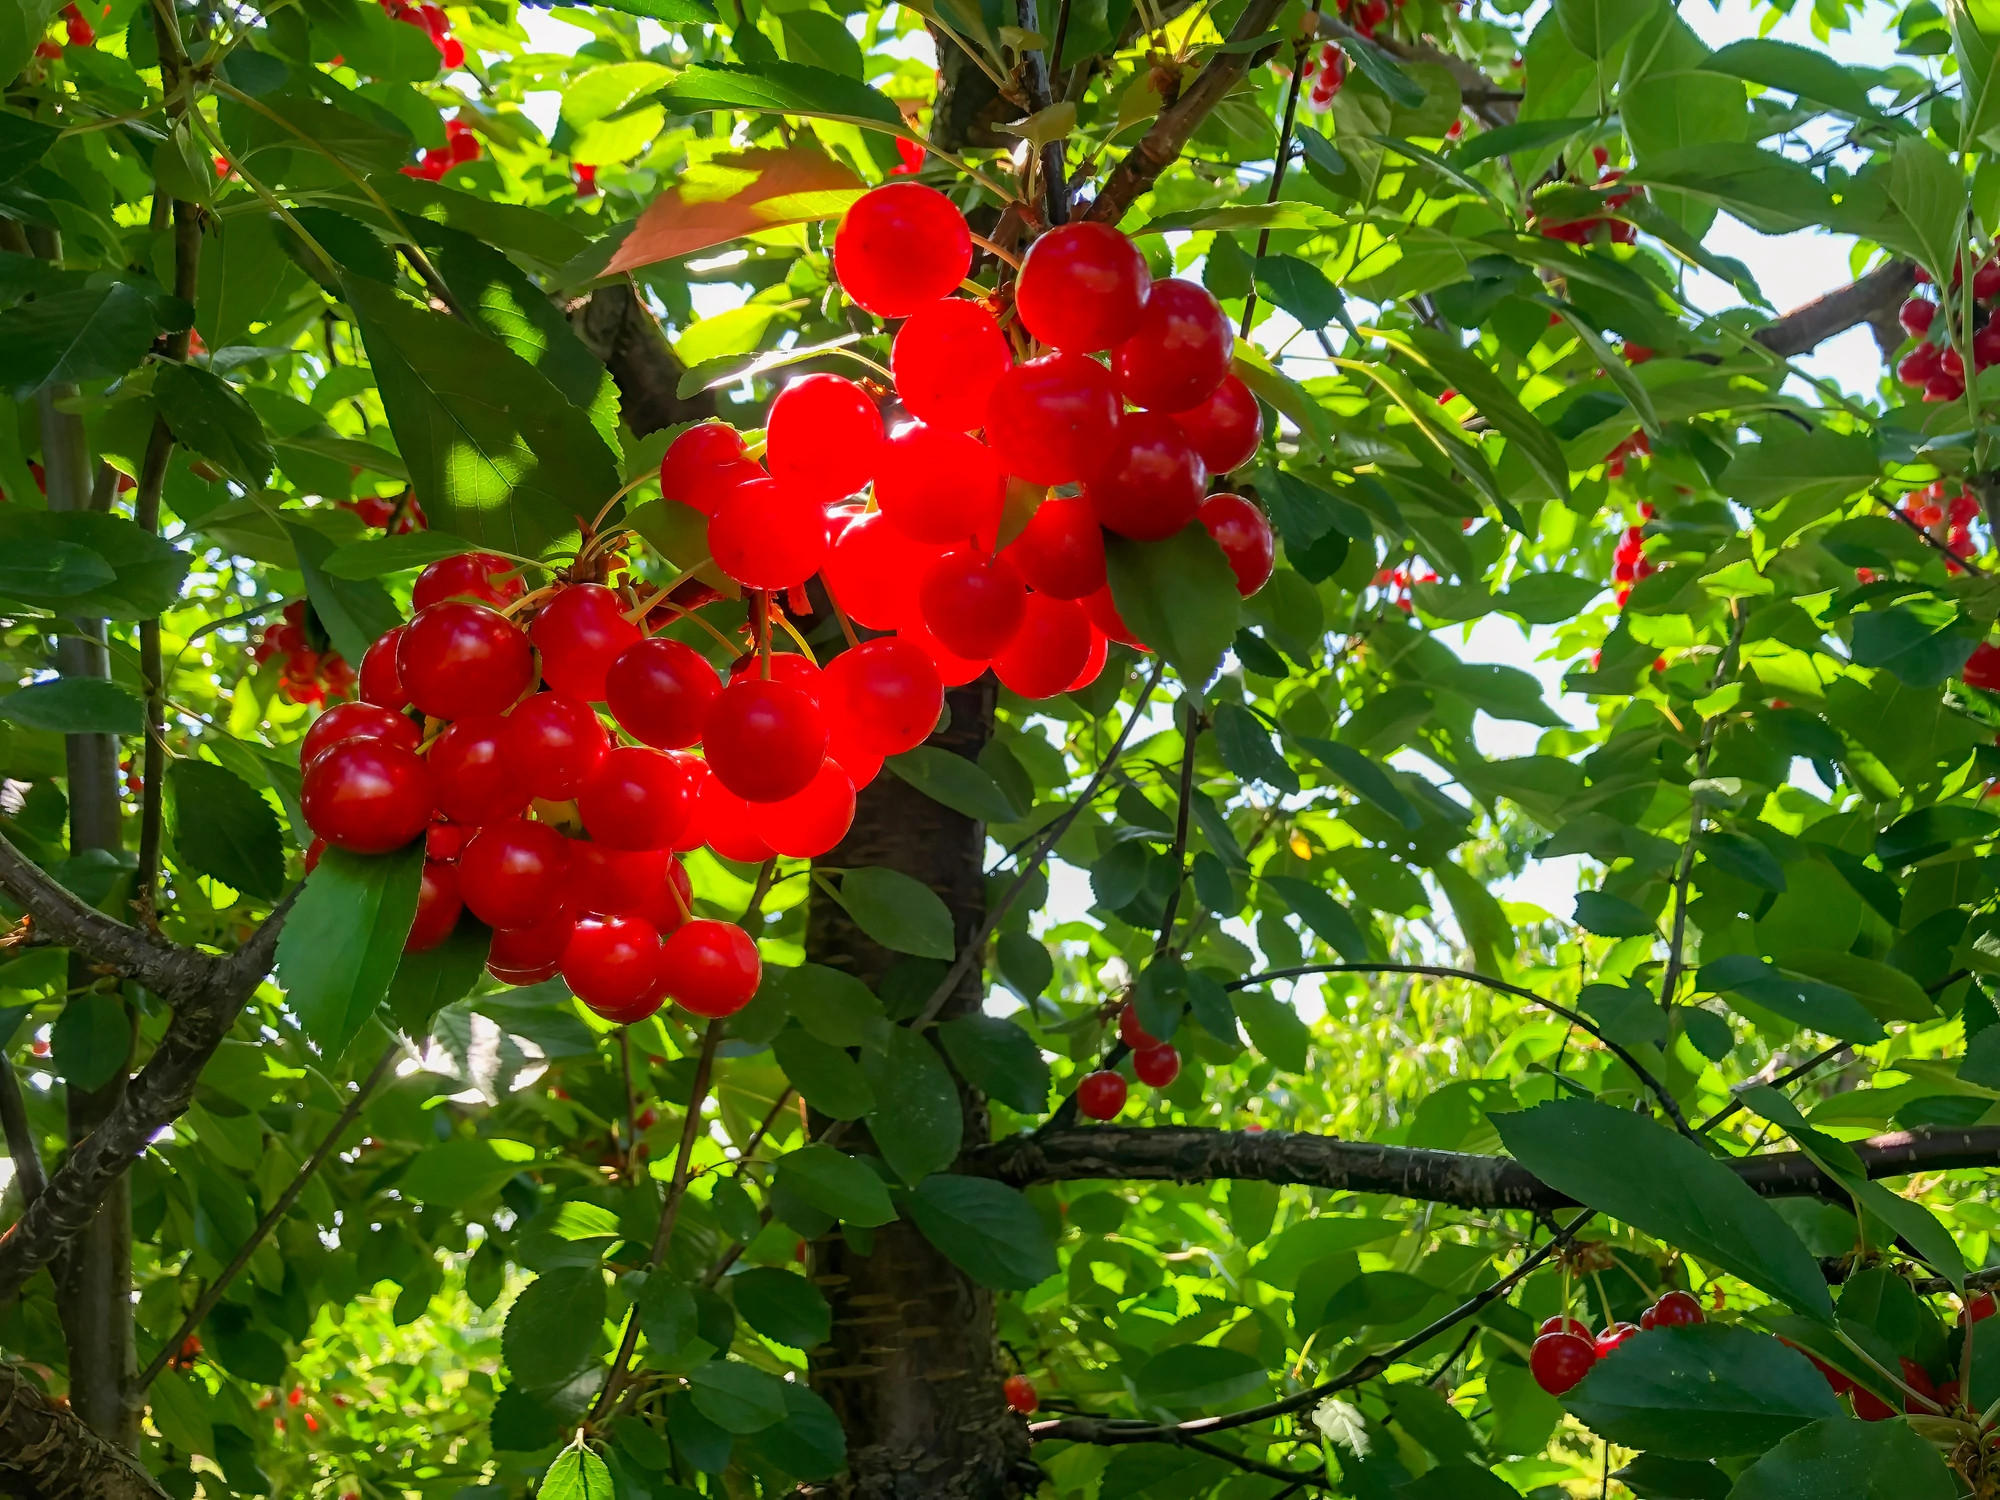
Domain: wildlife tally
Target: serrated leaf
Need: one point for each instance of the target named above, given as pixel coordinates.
(999, 1059)
(225, 829)
(204, 412)
(75, 705)
(836, 1184)
(90, 333)
(782, 1306)
(954, 782)
(898, 911)
(343, 940)
(988, 1230)
(1178, 596)
(917, 1121)
(577, 1474)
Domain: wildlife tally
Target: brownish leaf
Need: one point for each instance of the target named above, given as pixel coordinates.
(729, 196)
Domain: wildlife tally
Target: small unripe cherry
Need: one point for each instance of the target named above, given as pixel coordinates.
(712, 968)
(899, 247)
(1020, 1393)
(808, 823)
(580, 633)
(723, 820)
(456, 660)
(939, 486)
(1049, 420)
(479, 576)
(946, 359)
(700, 466)
(873, 570)
(1559, 1360)
(366, 796)
(1226, 428)
(381, 684)
(1060, 552)
(553, 744)
(1148, 482)
(1101, 1095)
(1244, 536)
(885, 693)
(1180, 351)
(474, 782)
(438, 906)
(617, 966)
(660, 691)
(769, 536)
(1158, 1066)
(824, 438)
(357, 721)
(972, 603)
(513, 873)
(639, 798)
(1048, 650)
(1082, 288)
(765, 740)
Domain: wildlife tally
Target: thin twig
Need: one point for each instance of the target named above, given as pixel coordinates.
(1191, 736)
(27, 1158)
(1283, 159)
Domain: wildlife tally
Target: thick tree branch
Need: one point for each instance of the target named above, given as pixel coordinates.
(617, 327)
(47, 1453)
(1872, 300)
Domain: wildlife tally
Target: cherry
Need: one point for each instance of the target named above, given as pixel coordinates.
(703, 464)
(1020, 1394)
(617, 966)
(513, 873)
(873, 569)
(1870, 1407)
(939, 486)
(861, 764)
(531, 951)
(899, 247)
(1674, 1310)
(1565, 1325)
(823, 437)
(885, 694)
(660, 691)
(1103, 612)
(1919, 366)
(765, 740)
(1060, 552)
(1093, 664)
(1244, 536)
(1559, 1360)
(1979, 1308)
(1130, 1032)
(1101, 1095)
(1227, 427)
(788, 667)
(1051, 646)
(553, 744)
(604, 881)
(723, 820)
(456, 660)
(358, 721)
(972, 603)
(639, 798)
(1148, 481)
(1613, 1336)
(712, 968)
(1916, 316)
(953, 670)
(438, 906)
(769, 536)
(1986, 281)
(381, 684)
(475, 784)
(669, 900)
(810, 822)
(368, 796)
(1157, 1066)
(946, 359)
(445, 840)
(1050, 419)
(1180, 351)
(479, 576)
(1082, 288)
(580, 633)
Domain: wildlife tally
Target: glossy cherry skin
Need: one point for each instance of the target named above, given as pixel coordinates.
(1060, 552)
(1559, 1360)
(823, 439)
(861, 764)
(1244, 536)
(1148, 482)
(873, 570)
(810, 822)
(1916, 316)
(1048, 650)
(887, 694)
(1158, 1066)
(660, 691)
(1103, 612)
(702, 465)
(456, 660)
(1613, 1336)
(1674, 1310)
(553, 743)
(1180, 351)
(1082, 288)
(787, 667)
(712, 968)
(478, 576)
(474, 781)
(939, 486)
(1020, 1393)
(1131, 1033)
(639, 798)
(1101, 1095)
(604, 881)
(513, 873)
(769, 536)
(367, 796)
(973, 603)
(723, 820)
(616, 966)
(580, 633)
(1050, 420)
(946, 359)
(1093, 666)
(952, 669)
(765, 740)
(1982, 668)
(438, 906)
(1560, 1324)
(381, 683)
(358, 721)
(1226, 428)
(531, 950)
(899, 247)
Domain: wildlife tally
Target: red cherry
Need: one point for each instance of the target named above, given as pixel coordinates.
(823, 437)
(358, 721)
(1979, 1308)
(513, 873)
(1158, 1066)
(1565, 1325)
(445, 840)
(899, 247)
(1244, 536)
(1050, 419)
(580, 633)
(885, 693)
(810, 822)
(1986, 281)
(1870, 1407)
(478, 576)
(712, 968)
(617, 966)
(604, 881)
(1082, 288)
(1986, 346)
(1226, 428)
(1674, 1310)
(669, 900)
(787, 667)
(456, 660)
(861, 764)
(946, 359)
(1180, 351)
(1130, 1032)
(873, 570)
(1613, 1336)
(1060, 552)
(769, 536)
(1103, 612)
(953, 670)
(723, 820)
(1919, 365)
(939, 486)
(1051, 646)
(1094, 664)
(438, 907)
(972, 603)
(381, 684)
(535, 950)
(1020, 1394)
(1916, 316)
(553, 744)
(702, 465)
(1559, 1360)
(1101, 1095)
(660, 691)
(639, 798)
(469, 768)
(368, 796)
(1148, 481)
(765, 740)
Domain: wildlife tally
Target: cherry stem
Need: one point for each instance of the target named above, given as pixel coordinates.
(792, 631)
(998, 254)
(623, 490)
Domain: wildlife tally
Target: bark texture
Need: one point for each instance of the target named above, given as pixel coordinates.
(616, 327)
(47, 1453)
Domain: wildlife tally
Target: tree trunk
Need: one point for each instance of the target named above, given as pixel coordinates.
(912, 1369)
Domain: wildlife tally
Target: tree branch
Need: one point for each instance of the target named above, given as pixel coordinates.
(46, 1450)
(1873, 300)
(21, 1148)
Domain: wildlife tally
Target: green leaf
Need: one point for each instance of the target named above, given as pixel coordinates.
(828, 1079)
(1795, 69)
(780, 88)
(898, 911)
(462, 1171)
(1526, 135)
(988, 1230)
(33, 570)
(916, 1122)
(205, 413)
(835, 1007)
(180, 1410)
(999, 1059)
(225, 829)
(1929, 196)
(90, 333)
(1850, 1459)
(954, 782)
(1376, 65)
(75, 705)
(374, 556)
(809, 1443)
(1769, 192)
(355, 613)
(1624, 1165)
(1190, 1375)
(1614, 367)
(836, 1184)
(1920, 644)
(1364, 778)
(149, 570)
(1247, 750)
(1740, 855)
(427, 982)
(1592, 26)
(1610, 916)
(782, 1306)
(577, 1474)
(91, 1040)
(1301, 289)
(736, 1397)
(1809, 1002)
(554, 1327)
(1275, 1029)
(344, 938)
(23, 141)
(1333, 923)
(1179, 596)
(1889, 993)
(1499, 405)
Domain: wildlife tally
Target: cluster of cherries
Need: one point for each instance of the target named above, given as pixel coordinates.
(1396, 583)
(460, 146)
(436, 24)
(396, 514)
(1582, 231)
(1637, 443)
(305, 675)
(1936, 368)
(1629, 563)
(1870, 1407)
(1936, 510)
(79, 30)
(1565, 1349)
(1101, 1094)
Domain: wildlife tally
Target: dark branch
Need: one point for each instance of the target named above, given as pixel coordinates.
(616, 326)
(46, 1451)
(1872, 300)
